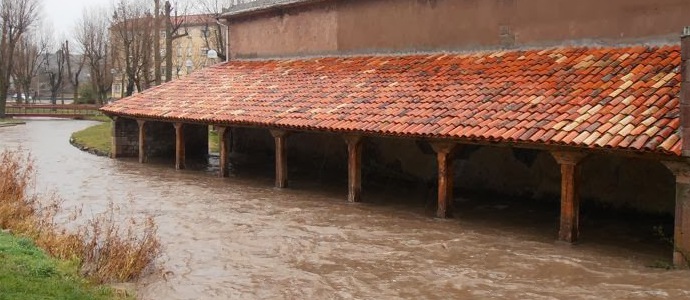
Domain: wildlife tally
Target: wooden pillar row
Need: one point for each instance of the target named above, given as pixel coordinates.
(143, 156)
(281, 158)
(569, 230)
(179, 146)
(223, 133)
(681, 228)
(444, 156)
(354, 167)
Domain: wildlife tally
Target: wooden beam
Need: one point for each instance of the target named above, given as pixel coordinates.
(681, 228)
(113, 138)
(143, 156)
(281, 158)
(223, 142)
(354, 167)
(569, 230)
(179, 146)
(444, 156)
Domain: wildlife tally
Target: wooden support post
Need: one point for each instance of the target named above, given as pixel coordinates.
(223, 142)
(179, 146)
(113, 139)
(143, 156)
(354, 167)
(281, 158)
(681, 228)
(444, 156)
(570, 203)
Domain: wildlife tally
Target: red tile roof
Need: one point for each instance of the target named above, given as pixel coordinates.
(619, 98)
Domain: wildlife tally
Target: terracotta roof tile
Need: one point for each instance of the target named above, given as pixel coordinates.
(620, 98)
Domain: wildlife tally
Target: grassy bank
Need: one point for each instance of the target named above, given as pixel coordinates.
(26, 272)
(95, 139)
(107, 247)
(9, 122)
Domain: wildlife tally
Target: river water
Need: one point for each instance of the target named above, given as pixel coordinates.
(239, 238)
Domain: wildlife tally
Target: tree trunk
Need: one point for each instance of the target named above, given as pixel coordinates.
(157, 43)
(168, 42)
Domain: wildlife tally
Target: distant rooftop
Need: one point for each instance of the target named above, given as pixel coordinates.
(242, 7)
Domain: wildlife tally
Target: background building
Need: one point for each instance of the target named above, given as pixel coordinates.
(189, 51)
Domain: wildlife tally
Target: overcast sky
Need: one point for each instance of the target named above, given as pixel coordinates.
(62, 15)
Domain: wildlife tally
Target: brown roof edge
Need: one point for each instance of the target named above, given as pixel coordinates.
(261, 6)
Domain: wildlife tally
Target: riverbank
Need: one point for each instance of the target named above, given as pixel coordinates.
(94, 140)
(26, 272)
(6, 122)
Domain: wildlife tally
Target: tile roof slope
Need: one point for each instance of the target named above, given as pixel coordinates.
(619, 98)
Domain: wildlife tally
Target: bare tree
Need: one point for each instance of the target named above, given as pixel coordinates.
(93, 36)
(157, 42)
(55, 67)
(214, 35)
(29, 59)
(173, 24)
(132, 27)
(74, 69)
(16, 18)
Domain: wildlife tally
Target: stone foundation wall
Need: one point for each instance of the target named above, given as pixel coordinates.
(160, 139)
(126, 135)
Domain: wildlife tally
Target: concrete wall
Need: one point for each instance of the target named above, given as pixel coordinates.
(612, 181)
(357, 26)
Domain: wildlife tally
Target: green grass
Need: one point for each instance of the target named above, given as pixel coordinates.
(9, 122)
(213, 142)
(96, 138)
(26, 272)
(99, 118)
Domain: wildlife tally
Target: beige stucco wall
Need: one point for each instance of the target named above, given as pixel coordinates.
(357, 26)
(295, 31)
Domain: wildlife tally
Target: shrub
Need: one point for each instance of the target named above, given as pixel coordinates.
(87, 94)
(106, 251)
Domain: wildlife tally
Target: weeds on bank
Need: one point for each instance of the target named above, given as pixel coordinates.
(106, 251)
(659, 231)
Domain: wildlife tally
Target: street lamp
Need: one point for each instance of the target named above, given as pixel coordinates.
(189, 64)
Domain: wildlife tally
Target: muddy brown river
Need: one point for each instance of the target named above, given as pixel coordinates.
(239, 238)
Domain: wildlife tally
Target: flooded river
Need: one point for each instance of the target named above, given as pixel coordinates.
(239, 238)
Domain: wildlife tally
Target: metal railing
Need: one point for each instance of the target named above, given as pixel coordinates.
(50, 110)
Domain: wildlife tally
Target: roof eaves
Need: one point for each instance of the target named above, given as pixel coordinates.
(260, 6)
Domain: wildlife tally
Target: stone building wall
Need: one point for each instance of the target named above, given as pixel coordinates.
(126, 135)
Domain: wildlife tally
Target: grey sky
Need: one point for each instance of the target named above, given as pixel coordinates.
(62, 15)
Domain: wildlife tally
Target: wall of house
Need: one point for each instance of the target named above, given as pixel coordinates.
(311, 30)
(363, 26)
(160, 139)
(606, 180)
(126, 137)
